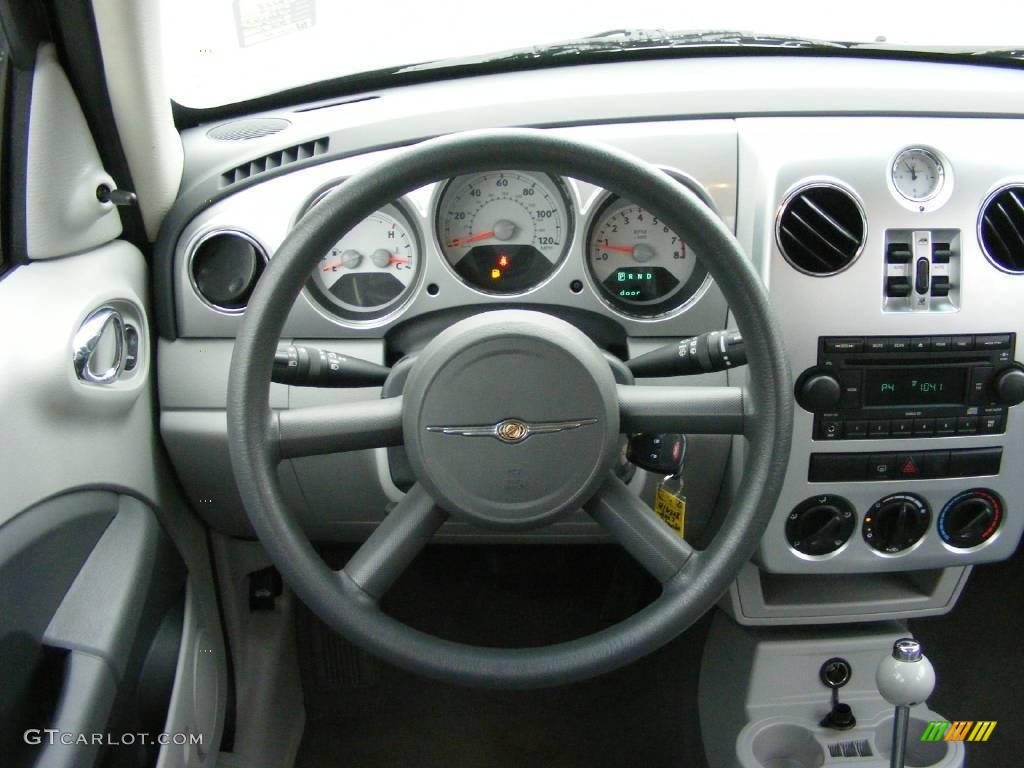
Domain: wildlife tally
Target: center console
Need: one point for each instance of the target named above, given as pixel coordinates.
(901, 320)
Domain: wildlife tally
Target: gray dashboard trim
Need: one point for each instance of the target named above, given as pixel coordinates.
(726, 87)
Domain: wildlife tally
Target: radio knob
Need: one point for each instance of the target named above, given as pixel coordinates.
(818, 392)
(1008, 385)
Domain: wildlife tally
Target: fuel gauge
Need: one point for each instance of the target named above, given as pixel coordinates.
(371, 270)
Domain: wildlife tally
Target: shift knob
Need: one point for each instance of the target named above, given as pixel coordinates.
(905, 677)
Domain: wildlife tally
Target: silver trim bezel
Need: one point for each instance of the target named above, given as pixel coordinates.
(830, 183)
(597, 206)
(1002, 187)
(572, 210)
(201, 238)
(934, 201)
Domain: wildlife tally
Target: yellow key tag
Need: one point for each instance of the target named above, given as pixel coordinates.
(671, 508)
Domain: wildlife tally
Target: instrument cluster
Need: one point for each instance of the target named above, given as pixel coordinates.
(505, 233)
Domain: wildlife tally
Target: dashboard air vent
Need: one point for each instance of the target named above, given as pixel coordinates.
(253, 128)
(274, 160)
(821, 229)
(1002, 229)
(224, 266)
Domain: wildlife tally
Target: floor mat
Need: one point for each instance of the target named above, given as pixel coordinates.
(364, 713)
(978, 653)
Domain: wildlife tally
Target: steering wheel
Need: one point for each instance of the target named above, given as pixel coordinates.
(510, 419)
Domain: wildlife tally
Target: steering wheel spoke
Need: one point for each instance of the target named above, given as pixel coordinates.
(689, 410)
(339, 427)
(390, 549)
(635, 526)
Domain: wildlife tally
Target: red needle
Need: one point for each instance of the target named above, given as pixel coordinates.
(471, 238)
(329, 267)
(398, 260)
(620, 248)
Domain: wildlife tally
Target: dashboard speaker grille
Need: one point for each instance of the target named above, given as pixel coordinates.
(242, 130)
(821, 229)
(274, 160)
(1002, 229)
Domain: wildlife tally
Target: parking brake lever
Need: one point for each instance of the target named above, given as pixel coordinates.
(709, 352)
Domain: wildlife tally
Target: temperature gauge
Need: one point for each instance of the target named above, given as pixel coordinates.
(371, 270)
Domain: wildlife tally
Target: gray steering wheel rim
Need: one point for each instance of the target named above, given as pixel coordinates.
(338, 600)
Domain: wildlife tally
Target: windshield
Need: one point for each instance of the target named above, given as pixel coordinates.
(222, 51)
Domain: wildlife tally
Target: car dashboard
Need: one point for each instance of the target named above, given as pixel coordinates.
(881, 202)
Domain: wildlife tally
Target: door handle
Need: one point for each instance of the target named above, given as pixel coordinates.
(87, 341)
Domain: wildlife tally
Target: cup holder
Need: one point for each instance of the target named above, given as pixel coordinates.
(788, 746)
(920, 754)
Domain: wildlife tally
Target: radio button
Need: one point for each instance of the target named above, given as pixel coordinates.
(876, 345)
(977, 391)
(879, 429)
(855, 430)
(850, 383)
(833, 346)
(967, 425)
(991, 424)
(902, 427)
(963, 343)
(945, 426)
(920, 344)
(1001, 341)
(924, 427)
(941, 344)
(882, 466)
(900, 345)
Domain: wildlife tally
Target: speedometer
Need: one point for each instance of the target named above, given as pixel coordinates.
(638, 263)
(504, 231)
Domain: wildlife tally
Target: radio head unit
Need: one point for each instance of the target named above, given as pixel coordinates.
(911, 386)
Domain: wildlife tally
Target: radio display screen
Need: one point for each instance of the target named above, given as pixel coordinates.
(915, 386)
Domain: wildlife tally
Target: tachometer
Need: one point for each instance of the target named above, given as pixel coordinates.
(504, 231)
(371, 270)
(637, 263)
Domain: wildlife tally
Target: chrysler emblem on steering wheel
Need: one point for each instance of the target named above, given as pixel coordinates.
(514, 430)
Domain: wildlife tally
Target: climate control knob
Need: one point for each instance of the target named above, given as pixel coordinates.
(817, 391)
(970, 518)
(1008, 386)
(896, 523)
(820, 525)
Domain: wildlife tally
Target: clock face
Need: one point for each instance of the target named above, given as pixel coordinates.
(917, 174)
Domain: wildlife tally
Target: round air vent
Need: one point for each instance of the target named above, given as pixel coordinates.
(224, 267)
(1001, 229)
(252, 128)
(821, 229)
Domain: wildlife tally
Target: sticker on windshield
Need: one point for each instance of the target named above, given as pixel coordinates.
(258, 21)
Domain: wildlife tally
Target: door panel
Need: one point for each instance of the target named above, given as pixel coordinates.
(107, 609)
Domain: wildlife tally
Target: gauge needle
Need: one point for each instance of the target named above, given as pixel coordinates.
(398, 260)
(619, 248)
(471, 238)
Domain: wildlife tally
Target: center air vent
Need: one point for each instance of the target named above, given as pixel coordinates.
(821, 229)
(1002, 229)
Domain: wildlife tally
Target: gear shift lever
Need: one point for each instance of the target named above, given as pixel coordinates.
(904, 678)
